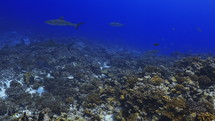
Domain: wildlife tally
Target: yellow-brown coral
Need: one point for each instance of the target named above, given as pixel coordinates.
(205, 117)
(131, 80)
(132, 117)
(176, 103)
(178, 89)
(156, 80)
(171, 115)
(173, 109)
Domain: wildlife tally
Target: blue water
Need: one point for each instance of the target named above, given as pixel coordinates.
(177, 25)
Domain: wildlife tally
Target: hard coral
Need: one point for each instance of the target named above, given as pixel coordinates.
(142, 99)
(94, 98)
(200, 107)
(205, 117)
(180, 78)
(206, 76)
(193, 62)
(179, 88)
(169, 116)
(204, 81)
(17, 94)
(174, 109)
(131, 80)
(133, 117)
(28, 78)
(54, 103)
(92, 116)
(152, 69)
(3, 107)
(176, 103)
(156, 80)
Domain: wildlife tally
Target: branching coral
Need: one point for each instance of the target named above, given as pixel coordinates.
(205, 117)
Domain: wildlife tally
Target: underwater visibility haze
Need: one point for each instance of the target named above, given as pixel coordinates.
(107, 60)
(176, 25)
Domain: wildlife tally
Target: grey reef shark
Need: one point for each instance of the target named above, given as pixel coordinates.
(116, 24)
(62, 22)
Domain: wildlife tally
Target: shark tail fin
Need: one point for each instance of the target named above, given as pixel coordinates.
(77, 26)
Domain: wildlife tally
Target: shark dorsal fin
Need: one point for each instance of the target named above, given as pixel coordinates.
(62, 18)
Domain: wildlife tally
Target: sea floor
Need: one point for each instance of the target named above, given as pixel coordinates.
(85, 81)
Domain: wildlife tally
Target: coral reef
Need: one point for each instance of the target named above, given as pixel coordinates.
(205, 117)
(81, 80)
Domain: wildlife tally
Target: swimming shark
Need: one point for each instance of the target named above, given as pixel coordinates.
(62, 22)
(116, 24)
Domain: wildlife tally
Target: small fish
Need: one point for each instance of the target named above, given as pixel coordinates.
(62, 22)
(156, 44)
(116, 24)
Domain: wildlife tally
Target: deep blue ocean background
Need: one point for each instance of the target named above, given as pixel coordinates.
(177, 25)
